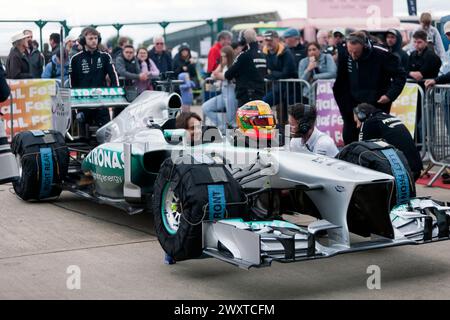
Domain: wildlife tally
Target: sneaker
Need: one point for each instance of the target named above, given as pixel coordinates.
(169, 259)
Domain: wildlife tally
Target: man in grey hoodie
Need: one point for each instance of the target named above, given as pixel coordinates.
(394, 41)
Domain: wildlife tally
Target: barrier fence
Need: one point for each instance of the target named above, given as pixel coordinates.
(437, 114)
(284, 93)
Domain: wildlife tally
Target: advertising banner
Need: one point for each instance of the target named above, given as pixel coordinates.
(36, 104)
(405, 106)
(31, 105)
(350, 8)
(329, 118)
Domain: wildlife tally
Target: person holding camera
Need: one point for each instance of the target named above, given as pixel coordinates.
(90, 68)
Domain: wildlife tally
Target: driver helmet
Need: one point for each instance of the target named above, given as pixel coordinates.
(255, 120)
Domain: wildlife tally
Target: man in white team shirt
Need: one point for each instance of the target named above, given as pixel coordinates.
(302, 120)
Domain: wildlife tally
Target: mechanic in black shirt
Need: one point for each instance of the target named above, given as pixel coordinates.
(248, 69)
(88, 69)
(376, 124)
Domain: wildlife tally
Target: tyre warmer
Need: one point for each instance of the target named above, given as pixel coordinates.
(383, 157)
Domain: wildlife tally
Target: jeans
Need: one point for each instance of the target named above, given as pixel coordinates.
(226, 101)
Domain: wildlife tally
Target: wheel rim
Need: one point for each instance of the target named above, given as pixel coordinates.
(170, 210)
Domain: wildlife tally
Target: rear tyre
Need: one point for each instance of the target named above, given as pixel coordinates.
(43, 159)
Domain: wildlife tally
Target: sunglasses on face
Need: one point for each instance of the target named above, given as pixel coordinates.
(159, 43)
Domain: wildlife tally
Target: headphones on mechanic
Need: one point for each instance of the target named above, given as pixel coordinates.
(241, 39)
(82, 38)
(360, 38)
(305, 124)
(361, 114)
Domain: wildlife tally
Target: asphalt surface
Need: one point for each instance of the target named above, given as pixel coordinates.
(119, 257)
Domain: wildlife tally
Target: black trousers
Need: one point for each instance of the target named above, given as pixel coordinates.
(350, 132)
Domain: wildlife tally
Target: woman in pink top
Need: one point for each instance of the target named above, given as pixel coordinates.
(148, 65)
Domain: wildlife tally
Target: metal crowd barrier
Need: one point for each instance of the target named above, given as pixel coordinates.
(286, 92)
(278, 93)
(421, 138)
(437, 111)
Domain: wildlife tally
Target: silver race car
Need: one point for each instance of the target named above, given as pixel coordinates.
(221, 196)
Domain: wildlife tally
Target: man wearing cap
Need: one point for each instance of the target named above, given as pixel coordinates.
(339, 42)
(280, 65)
(17, 64)
(280, 60)
(394, 41)
(368, 73)
(292, 40)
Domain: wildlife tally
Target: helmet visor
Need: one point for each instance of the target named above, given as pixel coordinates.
(263, 121)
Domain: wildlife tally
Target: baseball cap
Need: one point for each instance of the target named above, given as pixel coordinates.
(270, 34)
(291, 33)
(18, 36)
(70, 38)
(447, 27)
(339, 30)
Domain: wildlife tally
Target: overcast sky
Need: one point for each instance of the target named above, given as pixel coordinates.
(79, 12)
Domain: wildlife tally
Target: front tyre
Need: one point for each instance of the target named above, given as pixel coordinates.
(181, 202)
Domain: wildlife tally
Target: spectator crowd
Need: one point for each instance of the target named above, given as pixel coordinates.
(367, 69)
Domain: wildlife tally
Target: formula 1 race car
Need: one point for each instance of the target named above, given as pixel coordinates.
(219, 197)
